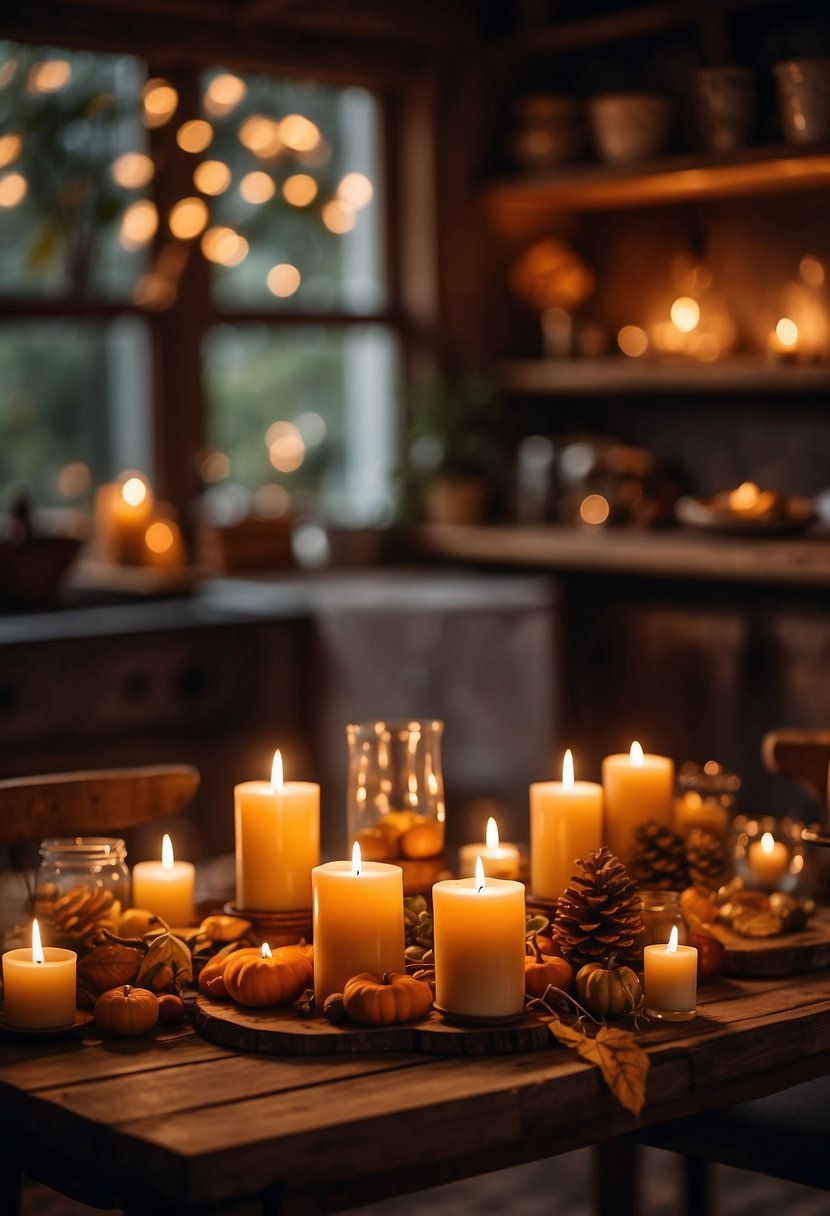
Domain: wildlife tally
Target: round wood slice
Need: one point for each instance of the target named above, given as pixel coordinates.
(769, 957)
(280, 1031)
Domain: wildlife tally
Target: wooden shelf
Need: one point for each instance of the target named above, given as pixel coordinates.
(617, 374)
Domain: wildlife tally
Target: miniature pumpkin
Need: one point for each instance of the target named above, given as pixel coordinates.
(424, 839)
(608, 991)
(697, 904)
(272, 978)
(548, 970)
(212, 975)
(126, 1010)
(380, 1002)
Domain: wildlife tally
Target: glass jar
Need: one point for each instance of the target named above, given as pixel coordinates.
(768, 853)
(661, 912)
(82, 887)
(705, 798)
(395, 796)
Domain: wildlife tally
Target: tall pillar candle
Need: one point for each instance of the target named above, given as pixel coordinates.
(39, 986)
(277, 842)
(565, 824)
(638, 787)
(358, 922)
(165, 887)
(479, 926)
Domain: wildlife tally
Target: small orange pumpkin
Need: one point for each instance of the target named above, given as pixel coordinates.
(126, 1010)
(545, 971)
(212, 975)
(608, 991)
(381, 1002)
(273, 979)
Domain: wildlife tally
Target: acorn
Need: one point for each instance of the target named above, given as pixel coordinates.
(334, 1009)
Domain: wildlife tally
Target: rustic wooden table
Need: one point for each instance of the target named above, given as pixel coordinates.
(171, 1123)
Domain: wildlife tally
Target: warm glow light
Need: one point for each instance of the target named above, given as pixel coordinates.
(13, 189)
(195, 135)
(298, 133)
(356, 189)
(632, 341)
(37, 947)
(299, 190)
(568, 770)
(672, 943)
(287, 453)
(260, 135)
(480, 880)
(338, 216)
(685, 314)
(257, 187)
(768, 842)
(138, 224)
(637, 758)
(155, 291)
(159, 537)
(132, 170)
(745, 497)
(786, 332)
(811, 270)
(357, 861)
(276, 772)
(594, 509)
(215, 467)
(10, 148)
(188, 218)
(49, 77)
(212, 177)
(160, 102)
(224, 93)
(167, 858)
(224, 246)
(266, 950)
(74, 479)
(283, 280)
(491, 835)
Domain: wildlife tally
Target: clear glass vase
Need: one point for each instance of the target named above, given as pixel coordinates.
(395, 796)
(82, 887)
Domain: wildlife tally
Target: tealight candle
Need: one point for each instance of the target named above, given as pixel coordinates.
(638, 787)
(499, 860)
(165, 887)
(39, 986)
(358, 921)
(475, 980)
(565, 824)
(277, 842)
(769, 860)
(670, 980)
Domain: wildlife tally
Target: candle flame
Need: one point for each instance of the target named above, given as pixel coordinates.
(768, 842)
(787, 332)
(134, 491)
(491, 836)
(276, 772)
(357, 861)
(637, 755)
(480, 884)
(672, 946)
(266, 950)
(167, 858)
(37, 948)
(568, 770)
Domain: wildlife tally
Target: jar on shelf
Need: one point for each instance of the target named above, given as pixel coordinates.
(82, 886)
(705, 798)
(769, 854)
(661, 912)
(395, 795)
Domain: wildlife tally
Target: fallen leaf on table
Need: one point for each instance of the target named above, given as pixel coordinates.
(623, 1063)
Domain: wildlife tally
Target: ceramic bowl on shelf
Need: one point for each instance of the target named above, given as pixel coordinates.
(804, 99)
(724, 100)
(629, 127)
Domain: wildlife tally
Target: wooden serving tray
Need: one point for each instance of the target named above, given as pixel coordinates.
(768, 957)
(280, 1031)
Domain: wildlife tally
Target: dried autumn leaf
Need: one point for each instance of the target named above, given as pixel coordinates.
(623, 1063)
(108, 967)
(166, 961)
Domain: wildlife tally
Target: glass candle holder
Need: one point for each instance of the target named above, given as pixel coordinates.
(661, 912)
(769, 854)
(82, 887)
(395, 795)
(705, 798)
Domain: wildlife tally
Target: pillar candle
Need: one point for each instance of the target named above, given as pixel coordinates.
(769, 860)
(39, 986)
(123, 512)
(277, 842)
(479, 946)
(165, 887)
(499, 860)
(692, 811)
(565, 824)
(637, 787)
(358, 922)
(670, 980)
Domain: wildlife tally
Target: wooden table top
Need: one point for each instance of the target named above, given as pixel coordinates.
(170, 1122)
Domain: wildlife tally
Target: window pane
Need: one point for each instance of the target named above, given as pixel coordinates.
(293, 169)
(309, 410)
(75, 406)
(66, 117)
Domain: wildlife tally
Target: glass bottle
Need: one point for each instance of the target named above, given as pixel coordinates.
(82, 886)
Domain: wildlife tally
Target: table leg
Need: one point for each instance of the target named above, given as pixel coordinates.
(697, 1175)
(616, 1182)
(11, 1174)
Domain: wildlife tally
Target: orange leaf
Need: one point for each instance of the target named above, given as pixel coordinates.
(623, 1063)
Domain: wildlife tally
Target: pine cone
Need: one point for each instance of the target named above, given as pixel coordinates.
(599, 913)
(706, 859)
(659, 861)
(79, 915)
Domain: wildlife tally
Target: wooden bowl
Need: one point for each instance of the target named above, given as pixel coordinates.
(32, 571)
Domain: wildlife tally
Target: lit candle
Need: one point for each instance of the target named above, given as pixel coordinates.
(39, 986)
(565, 824)
(163, 545)
(499, 860)
(693, 811)
(358, 921)
(277, 842)
(670, 980)
(637, 788)
(783, 341)
(165, 887)
(479, 946)
(769, 860)
(123, 513)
